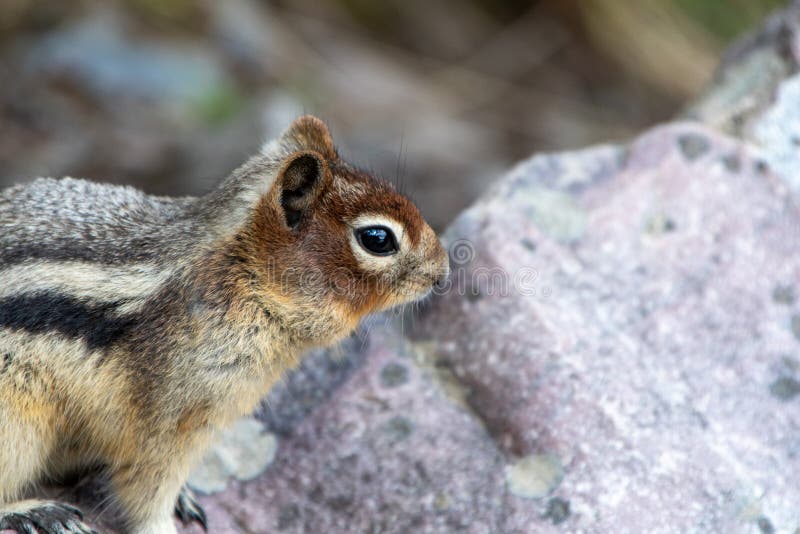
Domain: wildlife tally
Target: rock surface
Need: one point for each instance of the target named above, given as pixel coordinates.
(652, 356)
(619, 352)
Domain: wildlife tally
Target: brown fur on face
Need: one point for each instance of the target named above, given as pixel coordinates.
(312, 265)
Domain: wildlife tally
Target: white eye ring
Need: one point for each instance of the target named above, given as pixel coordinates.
(368, 259)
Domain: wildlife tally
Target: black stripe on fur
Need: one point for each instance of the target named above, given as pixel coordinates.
(47, 311)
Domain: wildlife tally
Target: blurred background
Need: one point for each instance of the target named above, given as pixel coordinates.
(171, 95)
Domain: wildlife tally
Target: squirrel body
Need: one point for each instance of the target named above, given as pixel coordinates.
(133, 327)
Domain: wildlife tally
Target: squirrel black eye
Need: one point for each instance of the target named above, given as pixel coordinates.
(377, 240)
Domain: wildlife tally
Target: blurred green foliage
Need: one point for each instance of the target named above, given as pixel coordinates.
(218, 105)
(727, 19)
(723, 20)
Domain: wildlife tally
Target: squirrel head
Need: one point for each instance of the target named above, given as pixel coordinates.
(324, 243)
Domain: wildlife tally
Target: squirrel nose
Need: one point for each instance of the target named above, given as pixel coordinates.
(441, 280)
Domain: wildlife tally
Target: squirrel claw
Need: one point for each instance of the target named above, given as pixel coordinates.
(45, 518)
(188, 510)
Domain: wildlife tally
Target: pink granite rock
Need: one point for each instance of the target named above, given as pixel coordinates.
(656, 354)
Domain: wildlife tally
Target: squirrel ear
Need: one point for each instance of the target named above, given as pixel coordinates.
(310, 133)
(300, 183)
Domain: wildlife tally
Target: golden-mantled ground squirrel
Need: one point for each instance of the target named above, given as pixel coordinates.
(132, 327)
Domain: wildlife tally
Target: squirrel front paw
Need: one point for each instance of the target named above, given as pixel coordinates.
(43, 517)
(188, 510)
